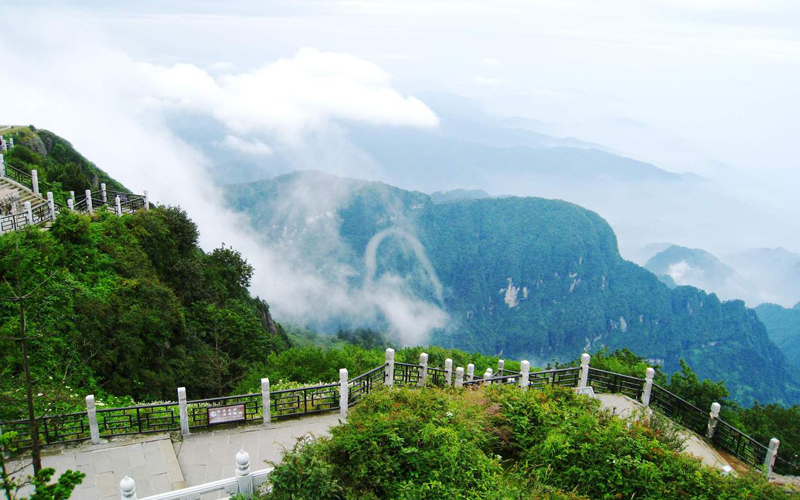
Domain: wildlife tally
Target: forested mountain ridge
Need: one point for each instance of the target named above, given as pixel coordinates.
(127, 307)
(56, 161)
(783, 327)
(525, 277)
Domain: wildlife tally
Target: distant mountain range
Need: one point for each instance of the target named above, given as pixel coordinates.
(783, 327)
(760, 275)
(521, 277)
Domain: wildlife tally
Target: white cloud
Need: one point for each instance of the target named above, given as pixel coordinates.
(110, 106)
(251, 148)
(290, 97)
(491, 61)
(482, 80)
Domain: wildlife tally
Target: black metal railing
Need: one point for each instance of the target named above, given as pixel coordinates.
(197, 410)
(561, 377)
(138, 419)
(739, 444)
(20, 177)
(437, 376)
(163, 417)
(679, 410)
(304, 400)
(406, 374)
(365, 384)
(13, 222)
(611, 382)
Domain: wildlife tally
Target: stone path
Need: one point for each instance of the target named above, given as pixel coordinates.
(209, 456)
(158, 465)
(151, 460)
(624, 406)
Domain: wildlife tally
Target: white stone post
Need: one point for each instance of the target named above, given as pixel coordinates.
(525, 374)
(51, 205)
(460, 377)
(183, 410)
(2, 166)
(127, 488)
(11, 142)
(28, 212)
(500, 364)
(388, 374)
(487, 375)
(119, 206)
(89, 201)
(243, 477)
(103, 194)
(91, 410)
(448, 372)
(72, 196)
(648, 386)
(470, 372)
(713, 418)
(344, 394)
(35, 181)
(585, 358)
(772, 456)
(423, 369)
(146, 200)
(71, 204)
(265, 405)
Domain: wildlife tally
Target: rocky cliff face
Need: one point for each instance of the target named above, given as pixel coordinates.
(529, 277)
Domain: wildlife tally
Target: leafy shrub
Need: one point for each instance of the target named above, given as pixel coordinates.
(500, 442)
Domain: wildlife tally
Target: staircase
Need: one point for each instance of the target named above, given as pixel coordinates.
(23, 194)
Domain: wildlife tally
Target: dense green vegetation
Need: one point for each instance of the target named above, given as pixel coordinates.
(57, 162)
(783, 327)
(127, 306)
(525, 277)
(499, 443)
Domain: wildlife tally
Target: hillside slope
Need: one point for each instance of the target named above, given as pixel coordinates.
(783, 327)
(525, 277)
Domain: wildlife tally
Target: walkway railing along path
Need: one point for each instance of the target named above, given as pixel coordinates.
(187, 416)
(38, 214)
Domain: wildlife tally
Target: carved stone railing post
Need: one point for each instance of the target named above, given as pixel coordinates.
(388, 375)
(423, 369)
(89, 201)
(448, 372)
(127, 488)
(243, 476)
(2, 166)
(344, 394)
(525, 374)
(146, 200)
(28, 212)
(265, 404)
(118, 205)
(648, 386)
(91, 412)
(487, 375)
(470, 372)
(772, 456)
(713, 419)
(35, 181)
(460, 376)
(71, 204)
(103, 193)
(585, 359)
(183, 410)
(500, 364)
(51, 205)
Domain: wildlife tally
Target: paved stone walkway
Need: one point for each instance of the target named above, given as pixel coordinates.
(158, 465)
(624, 406)
(150, 459)
(209, 456)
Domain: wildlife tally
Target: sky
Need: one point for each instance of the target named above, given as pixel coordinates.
(703, 87)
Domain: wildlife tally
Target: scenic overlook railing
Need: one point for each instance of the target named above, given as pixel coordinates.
(287, 403)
